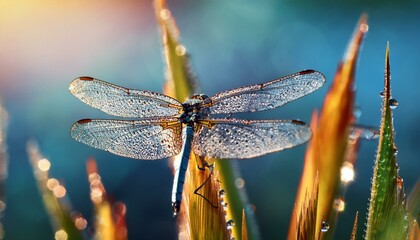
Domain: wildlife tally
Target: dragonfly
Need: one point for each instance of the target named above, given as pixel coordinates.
(159, 126)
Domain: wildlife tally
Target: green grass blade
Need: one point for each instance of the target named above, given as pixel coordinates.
(387, 216)
(180, 82)
(53, 195)
(3, 165)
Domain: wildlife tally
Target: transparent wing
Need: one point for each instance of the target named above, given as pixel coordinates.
(144, 139)
(123, 102)
(267, 95)
(364, 132)
(233, 138)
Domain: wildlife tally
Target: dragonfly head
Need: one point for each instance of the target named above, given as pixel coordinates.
(193, 110)
(201, 97)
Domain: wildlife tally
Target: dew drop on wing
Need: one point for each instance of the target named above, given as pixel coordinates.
(393, 103)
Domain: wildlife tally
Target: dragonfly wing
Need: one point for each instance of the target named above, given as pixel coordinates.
(267, 95)
(233, 138)
(143, 139)
(123, 102)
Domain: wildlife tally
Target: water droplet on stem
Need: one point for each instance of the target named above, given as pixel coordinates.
(393, 103)
(325, 226)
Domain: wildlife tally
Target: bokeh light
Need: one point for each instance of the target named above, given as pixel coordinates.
(347, 172)
(44, 165)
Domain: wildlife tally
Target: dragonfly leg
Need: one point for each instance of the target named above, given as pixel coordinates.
(211, 168)
(205, 164)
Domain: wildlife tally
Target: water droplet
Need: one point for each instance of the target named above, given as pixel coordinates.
(229, 224)
(357, 113)
(52, 183)
(165, 14)
(2, 206)
(96, 195)
(325, 226)
(44, 165)
(364, 27)
(239, 183)
(61, 235)
(59, 191)
(400, 182)
(382, 94)
(395, 151)
(225, 206)
(222, 193)
(180, 50)
(80, 223)
(270, 106)
(393, 103)
(339, 204)
(347, 172)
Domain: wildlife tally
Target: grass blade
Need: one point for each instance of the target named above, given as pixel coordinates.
(387, 216)
(414, 210)
(180, 82)
(326, 150)
(306, 223)
(4, 161)
(354, 231)
(109, 218)
(198, 219)
(244, 227)
(54, 196)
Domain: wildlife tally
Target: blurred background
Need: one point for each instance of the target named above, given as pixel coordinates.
(44, 44)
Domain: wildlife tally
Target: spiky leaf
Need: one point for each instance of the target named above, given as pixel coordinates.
(387, 217)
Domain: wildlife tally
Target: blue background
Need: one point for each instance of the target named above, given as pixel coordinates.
(45, 44)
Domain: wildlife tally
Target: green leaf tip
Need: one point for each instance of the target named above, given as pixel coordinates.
(387, 216)
(180, 82)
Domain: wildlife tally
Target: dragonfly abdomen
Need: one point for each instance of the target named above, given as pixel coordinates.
(181, 168)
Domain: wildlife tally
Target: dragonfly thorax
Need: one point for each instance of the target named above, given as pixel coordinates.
(193, 110)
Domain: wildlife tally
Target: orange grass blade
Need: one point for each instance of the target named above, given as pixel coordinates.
(244, 227)
(109, 219)
(414, 209)
(414, 233)
(325, 153)
(306, 225)
(198, 219)
(354, 231)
